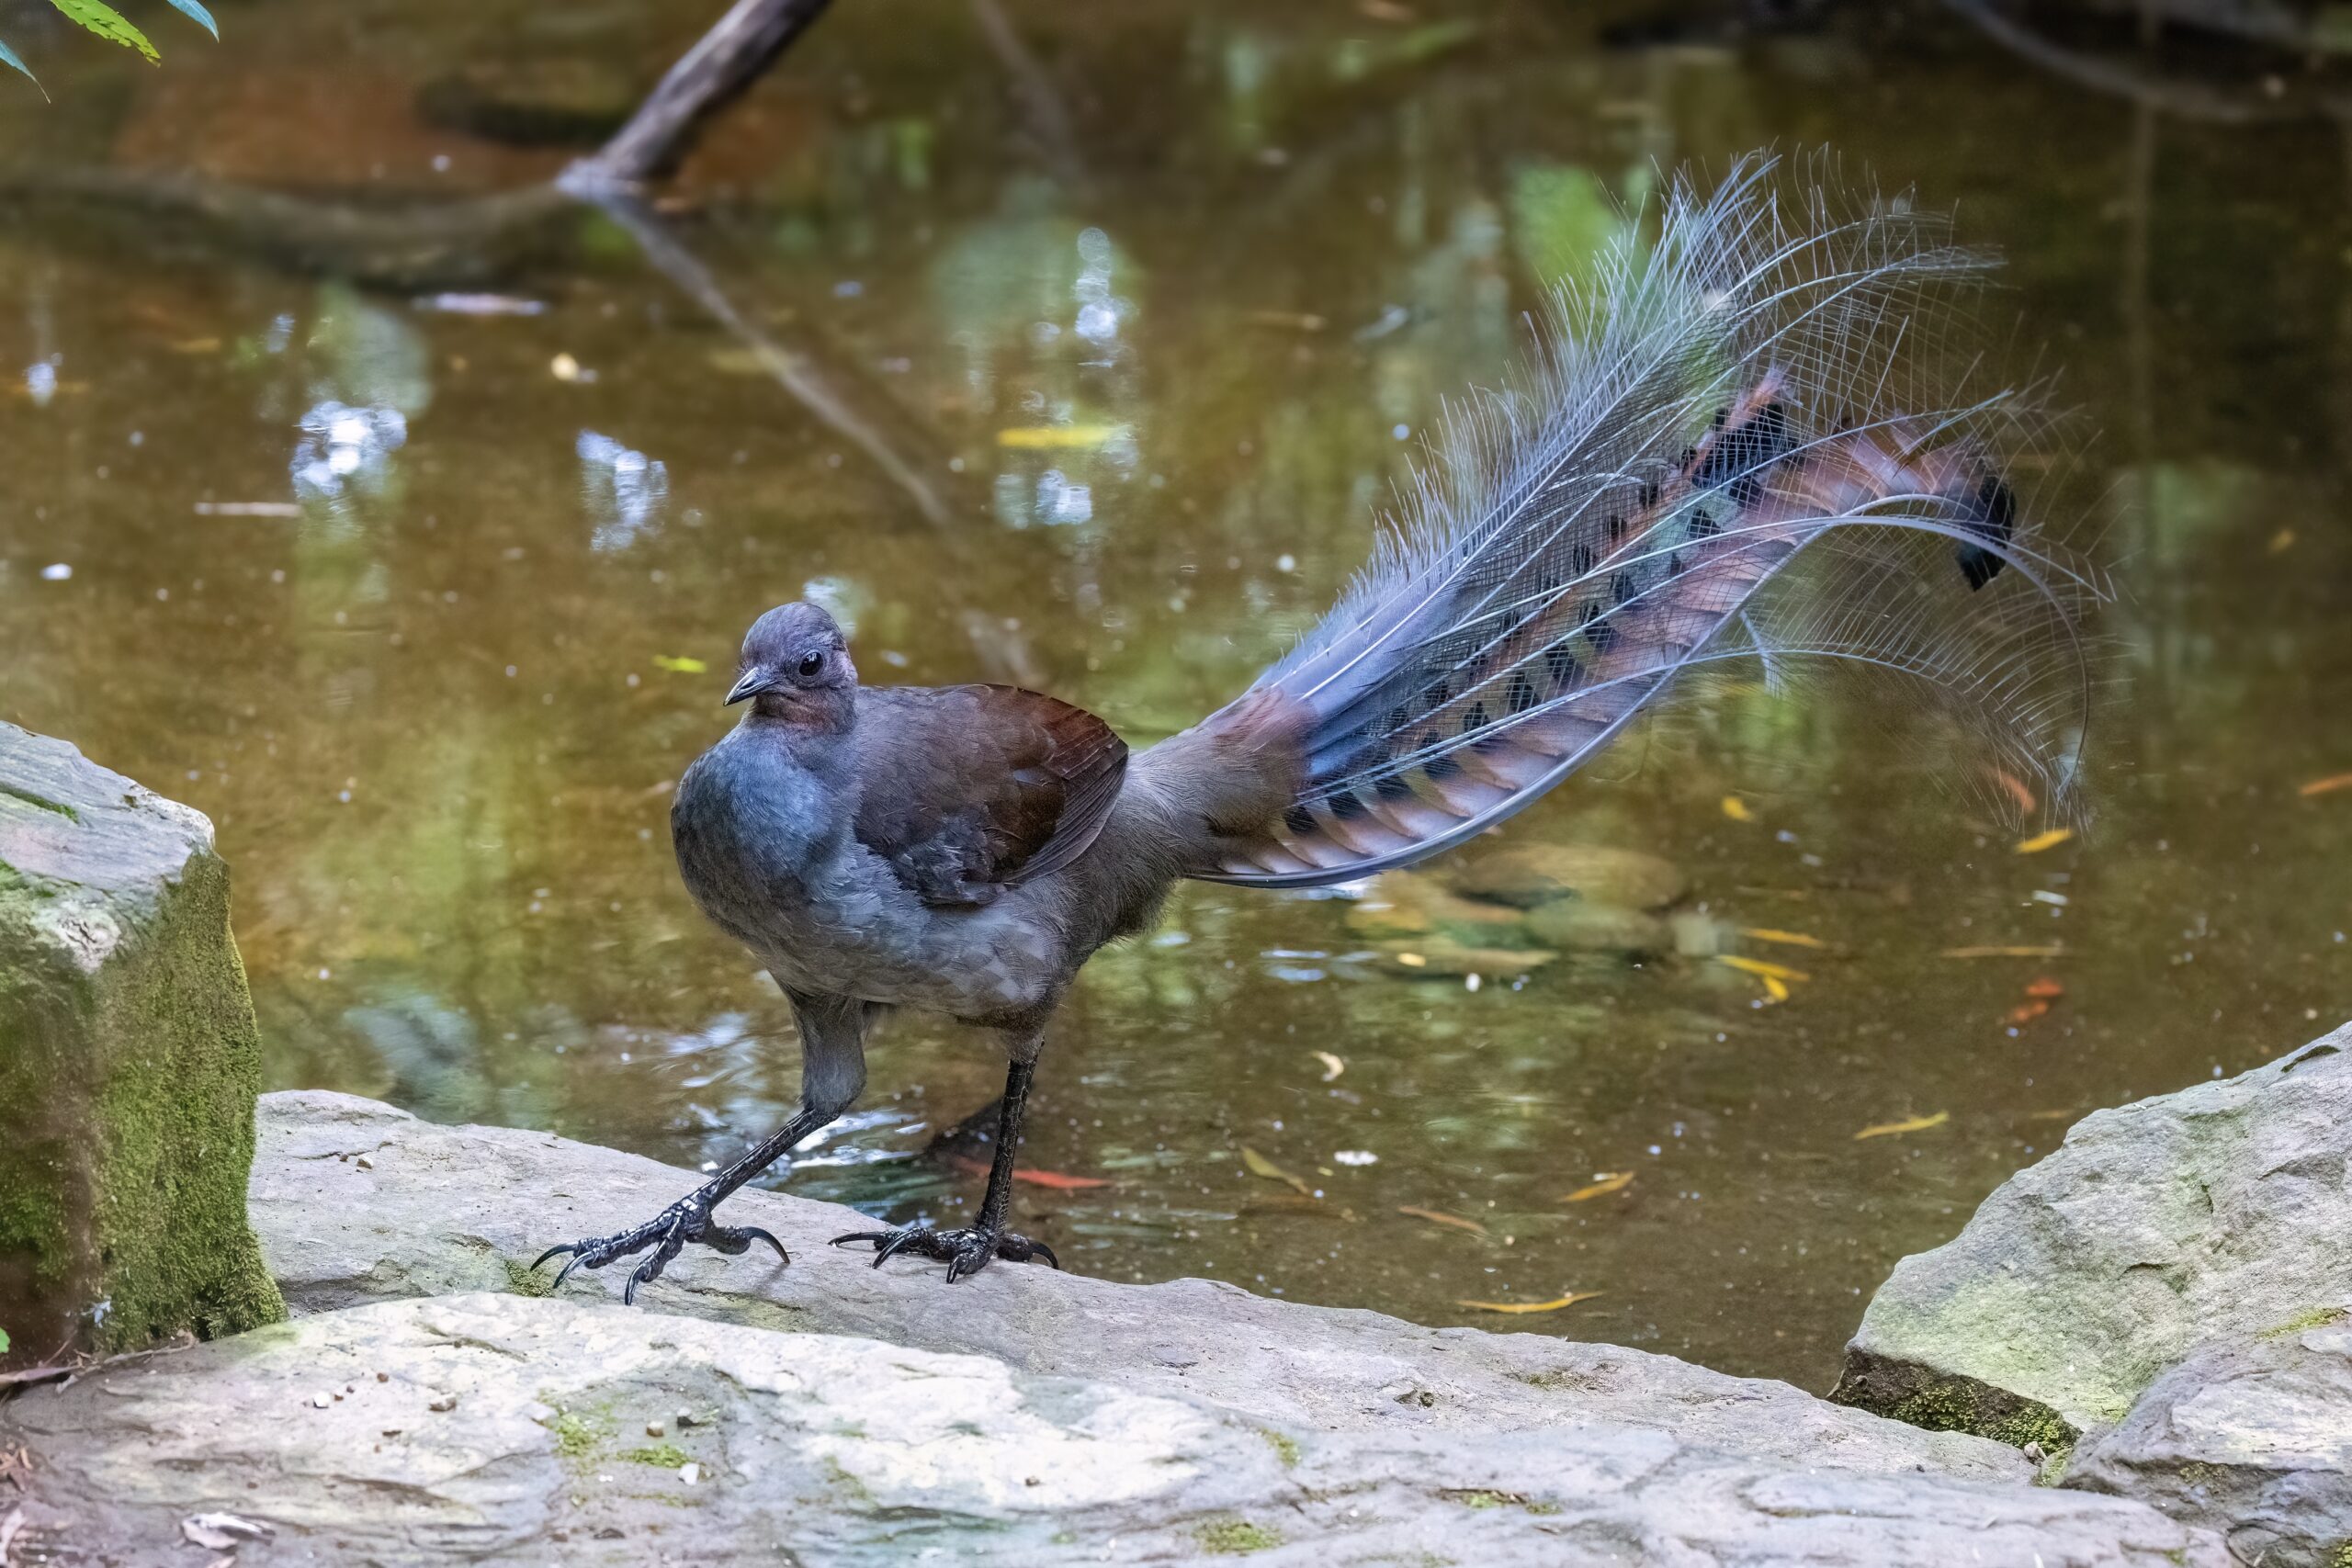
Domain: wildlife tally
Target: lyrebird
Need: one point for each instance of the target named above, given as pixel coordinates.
(1752, 438)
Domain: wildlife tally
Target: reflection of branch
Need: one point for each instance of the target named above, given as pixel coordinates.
(819, 389)
(2189, 100)
(1049, 122)
(706, 78)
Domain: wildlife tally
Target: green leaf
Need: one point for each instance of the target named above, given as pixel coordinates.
(10, 58)
(13, 60)
(197, 13)
(108, 22)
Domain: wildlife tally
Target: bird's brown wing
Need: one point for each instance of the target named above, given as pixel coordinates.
(967, 790)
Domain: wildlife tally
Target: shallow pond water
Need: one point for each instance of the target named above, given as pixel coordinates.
(426, 607)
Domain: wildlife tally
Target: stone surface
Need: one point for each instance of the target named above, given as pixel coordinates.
(1406, 904)
(128, 1065)
(440, 1210)
(2252, 1438)
(1578, 925)
(497, 1428)
(1528, 874)
(2205, 1217)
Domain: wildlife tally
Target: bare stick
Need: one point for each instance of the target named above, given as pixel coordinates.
(712, 74)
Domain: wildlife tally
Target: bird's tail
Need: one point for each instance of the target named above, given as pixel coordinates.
(1753, 439)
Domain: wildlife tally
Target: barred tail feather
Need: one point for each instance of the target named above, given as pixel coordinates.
(1755, 439)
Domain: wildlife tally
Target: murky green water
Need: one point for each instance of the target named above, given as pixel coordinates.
(430, 687)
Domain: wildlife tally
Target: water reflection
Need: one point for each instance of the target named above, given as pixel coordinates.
(623, 490)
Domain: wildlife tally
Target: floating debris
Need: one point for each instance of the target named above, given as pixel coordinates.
(2041, 841)
(1354, 1157)
(2052, 950)
(1553, 1305)
(247, 509)
(1908, 1124)
(1437, 1217)
(1332, 1065)
(1060, 437)
(679, 664)
(1259, 1165)
(1763, 969)
(1736, 810)
(1603, 1183)
(2327, 785)
(456, 304)
(1786, 938)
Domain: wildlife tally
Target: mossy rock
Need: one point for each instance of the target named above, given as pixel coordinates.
(1404, 904)
(1574, 925)
(128, 1067)
(1527, 876)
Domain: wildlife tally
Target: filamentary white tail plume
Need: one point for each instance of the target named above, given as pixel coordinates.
(1758, 437)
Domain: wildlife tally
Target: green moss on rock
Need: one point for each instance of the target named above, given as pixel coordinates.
(1236, 1538)
(1905, 1392)
(130, 1061)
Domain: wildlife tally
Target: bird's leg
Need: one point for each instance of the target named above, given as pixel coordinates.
(688, 1219)
(833, 1071)
(968, 1250)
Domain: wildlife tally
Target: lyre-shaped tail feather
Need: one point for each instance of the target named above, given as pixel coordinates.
(1752, 440)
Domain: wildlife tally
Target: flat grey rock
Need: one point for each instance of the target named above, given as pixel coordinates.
(500, 1428)
(2204, 1217)
(2251, 1437)
(440, 1210)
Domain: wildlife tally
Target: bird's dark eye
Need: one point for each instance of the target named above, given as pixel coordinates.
(810, 665)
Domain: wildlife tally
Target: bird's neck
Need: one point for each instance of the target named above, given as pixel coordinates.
(827, 711)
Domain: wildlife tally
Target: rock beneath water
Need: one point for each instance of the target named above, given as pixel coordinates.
(532, 103)
(497, 1428)
(2252, 1438)
(128, 1063)
(437, 1210)
(1528, 874)
(1430, 958)
(1406, 904)
(1575, 925)
(2204, 1217)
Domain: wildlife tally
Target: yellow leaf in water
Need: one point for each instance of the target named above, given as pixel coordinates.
(1412, 961)
(2051, 951)
(1569, 1299)
(1332, 1065)
(2327, 785)
(1786, 938)
(1736, 810)
(1776, 988)
(679, 665)
(1908, 1124)
(1763, 969)
(1456, 1221)
(1260, 1166)
(2041, 841)
(1058, 437)
(1604, 1182)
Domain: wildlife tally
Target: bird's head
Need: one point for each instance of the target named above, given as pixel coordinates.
(796, 666)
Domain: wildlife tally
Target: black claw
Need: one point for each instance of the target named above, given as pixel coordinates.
(1042, 1250)
(748, 1232)
(897, 1245)
(565, 1272)
(552, 1251)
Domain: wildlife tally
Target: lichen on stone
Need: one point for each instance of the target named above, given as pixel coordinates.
(1236, 1538)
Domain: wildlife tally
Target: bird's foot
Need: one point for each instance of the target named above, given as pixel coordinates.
(667, 1233)
(963, 1251)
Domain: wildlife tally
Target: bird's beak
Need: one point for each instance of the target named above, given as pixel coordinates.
(750, 683)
